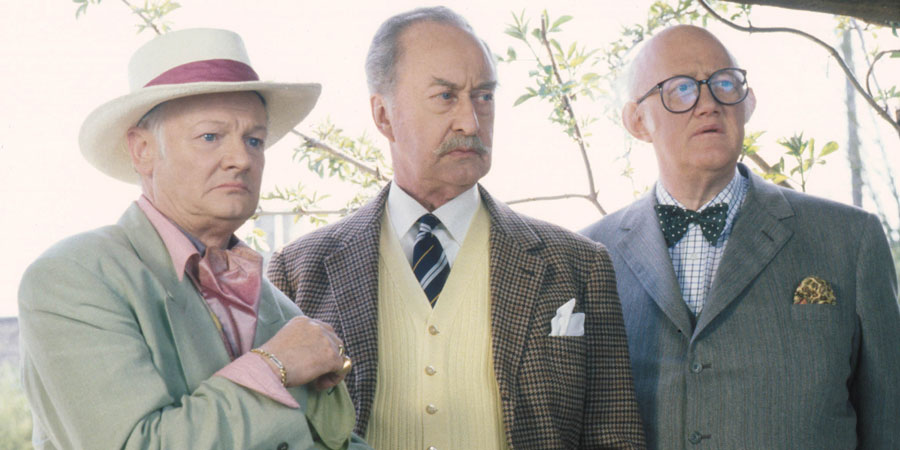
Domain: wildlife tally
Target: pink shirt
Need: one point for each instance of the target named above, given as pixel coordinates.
(249, 369)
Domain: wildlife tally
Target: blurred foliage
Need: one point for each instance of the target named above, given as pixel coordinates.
(152, 13)
(15, 416)
(562, 76)
(320, 157)
(801, 158)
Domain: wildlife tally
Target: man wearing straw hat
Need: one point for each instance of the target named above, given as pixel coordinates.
(159, 331)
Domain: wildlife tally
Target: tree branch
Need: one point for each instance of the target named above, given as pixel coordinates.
(315, 143)
(551, 197)
(142, 16)
(751, 29)
(567, 105)
(872, 67)
(302, 212)
(762, 164)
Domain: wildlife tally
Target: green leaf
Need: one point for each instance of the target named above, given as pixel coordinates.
(559, 22)
(577, 61)
(828, 149)
(556, 45)
(515, 32)
(523, 98)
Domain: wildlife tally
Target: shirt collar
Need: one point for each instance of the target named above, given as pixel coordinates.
(177, 243)
(455, 215)
(730, 194)
(180, 244)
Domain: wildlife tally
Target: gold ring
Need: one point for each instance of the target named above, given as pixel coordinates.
(345, 369)
(341, 350)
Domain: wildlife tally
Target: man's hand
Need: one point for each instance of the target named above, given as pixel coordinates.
(309, 349)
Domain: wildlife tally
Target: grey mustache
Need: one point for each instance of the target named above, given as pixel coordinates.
(462, 141)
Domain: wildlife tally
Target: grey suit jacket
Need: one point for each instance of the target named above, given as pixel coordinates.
(757, 371)
(556, 393)
(119, 353)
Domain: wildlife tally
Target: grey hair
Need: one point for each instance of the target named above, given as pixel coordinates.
(385, 50)
(152, 121)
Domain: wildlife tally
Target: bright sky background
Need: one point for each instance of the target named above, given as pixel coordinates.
(57, 69)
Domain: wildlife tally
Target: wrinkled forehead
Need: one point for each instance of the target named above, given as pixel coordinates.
(455, 45)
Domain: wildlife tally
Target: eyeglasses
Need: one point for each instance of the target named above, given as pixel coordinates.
(679, 94)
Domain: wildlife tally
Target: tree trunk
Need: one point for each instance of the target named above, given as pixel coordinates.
(856, 181)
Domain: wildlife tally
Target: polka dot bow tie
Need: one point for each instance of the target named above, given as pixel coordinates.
(674, 221)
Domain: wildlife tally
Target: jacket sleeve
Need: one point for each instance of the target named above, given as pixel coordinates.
(276, 272)
(93, 381)
(875, 392)
(611, 417)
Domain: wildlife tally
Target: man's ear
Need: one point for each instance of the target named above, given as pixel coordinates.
(749, 105)
(381, 116)
(142, 147)
(635, 122)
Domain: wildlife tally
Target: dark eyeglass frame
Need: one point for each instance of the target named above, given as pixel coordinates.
(658, 88)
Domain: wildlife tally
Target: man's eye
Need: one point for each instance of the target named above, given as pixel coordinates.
(209, 137)
(255, 142)
(446, 96)
(725, 85)
(489, 97)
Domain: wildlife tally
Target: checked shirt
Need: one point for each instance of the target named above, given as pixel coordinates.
(694, 259)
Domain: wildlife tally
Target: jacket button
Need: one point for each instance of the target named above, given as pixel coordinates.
(283, 446)
(430, 370)
(695, 437)
(696, 367)
(433, 330)
(431, 409)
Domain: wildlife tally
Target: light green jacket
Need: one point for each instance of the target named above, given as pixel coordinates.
(118, 353)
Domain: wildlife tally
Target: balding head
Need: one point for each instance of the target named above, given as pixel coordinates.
(643, 71)
(698, 147)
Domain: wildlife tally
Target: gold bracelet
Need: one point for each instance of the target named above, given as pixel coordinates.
(275, 361)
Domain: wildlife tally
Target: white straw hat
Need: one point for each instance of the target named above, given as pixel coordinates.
(180, 64)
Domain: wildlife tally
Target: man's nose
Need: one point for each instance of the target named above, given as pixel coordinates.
(706, 103)
(465, 119)
(237, 153)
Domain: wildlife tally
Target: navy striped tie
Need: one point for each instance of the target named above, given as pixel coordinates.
(429, 261)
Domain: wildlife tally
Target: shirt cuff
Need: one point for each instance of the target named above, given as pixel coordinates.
(253, 372)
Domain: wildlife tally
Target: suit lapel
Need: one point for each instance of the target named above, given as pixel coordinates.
(269, 318)
(353, 276)
(516, 278)
(200, 347)
(644, 250)
(756, 238)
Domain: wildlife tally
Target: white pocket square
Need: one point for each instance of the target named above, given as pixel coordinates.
(567, 323)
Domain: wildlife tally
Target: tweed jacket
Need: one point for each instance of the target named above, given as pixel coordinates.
(757, 371)
(118, 353)
(556, 393)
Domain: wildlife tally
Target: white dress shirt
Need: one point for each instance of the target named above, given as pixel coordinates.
(455, 217)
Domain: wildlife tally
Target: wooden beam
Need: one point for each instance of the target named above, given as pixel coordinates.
(878, 12)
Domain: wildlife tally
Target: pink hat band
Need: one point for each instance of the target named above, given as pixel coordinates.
(211, 70)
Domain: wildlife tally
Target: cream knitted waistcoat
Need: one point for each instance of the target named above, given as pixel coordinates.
(436, 386)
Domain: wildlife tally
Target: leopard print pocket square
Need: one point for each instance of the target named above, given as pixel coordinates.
(814, 290)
